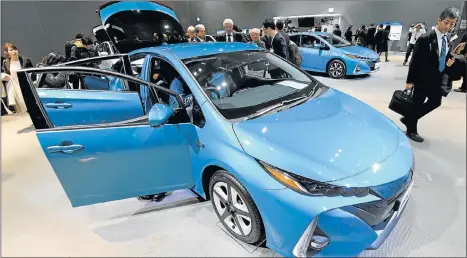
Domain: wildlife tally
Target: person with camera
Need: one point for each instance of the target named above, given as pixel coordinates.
(360, 36)
(415, 33)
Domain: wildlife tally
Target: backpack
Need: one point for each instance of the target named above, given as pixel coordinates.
(295, 56)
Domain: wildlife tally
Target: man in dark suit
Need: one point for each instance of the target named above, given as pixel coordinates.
(370, 37)
(276, 42)
(201, 36)
(430, 58)
(230, 35)
(280, 27)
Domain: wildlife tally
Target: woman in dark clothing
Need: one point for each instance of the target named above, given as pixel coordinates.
(360, 36)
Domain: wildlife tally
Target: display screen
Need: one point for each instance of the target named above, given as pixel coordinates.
(306, 22)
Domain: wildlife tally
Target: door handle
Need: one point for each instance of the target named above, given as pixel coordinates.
(199, 144)
(67, 149)
(58, 105)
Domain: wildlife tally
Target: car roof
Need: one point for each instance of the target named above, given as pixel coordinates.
(310, 33)
(190, 50)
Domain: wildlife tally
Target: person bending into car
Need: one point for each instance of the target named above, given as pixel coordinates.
(53, 80)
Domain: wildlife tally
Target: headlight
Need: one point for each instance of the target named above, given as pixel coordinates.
(308, 186)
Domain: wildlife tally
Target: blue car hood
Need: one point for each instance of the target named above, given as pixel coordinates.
(328, 138)
(361, 51)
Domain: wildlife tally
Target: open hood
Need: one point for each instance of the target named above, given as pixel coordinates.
(134, 25)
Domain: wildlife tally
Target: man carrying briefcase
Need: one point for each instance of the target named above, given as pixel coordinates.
(427, 68)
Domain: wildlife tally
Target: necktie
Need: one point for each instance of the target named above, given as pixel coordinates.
(442, 56)
(230, 38)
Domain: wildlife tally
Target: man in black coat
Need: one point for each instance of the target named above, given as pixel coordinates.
(337, 30)
(370, 37)
(276, 42)
(280, 27)
(430, 59)
(230, 35)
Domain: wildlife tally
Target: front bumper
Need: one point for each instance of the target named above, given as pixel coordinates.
(349, 231)
(360, 67)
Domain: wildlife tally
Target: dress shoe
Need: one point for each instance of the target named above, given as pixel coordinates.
(405, 62)
(460, 90)
(415, 137)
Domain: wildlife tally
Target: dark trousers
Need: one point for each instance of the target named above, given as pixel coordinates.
(371, 46)
(433, 97)
(409, 52)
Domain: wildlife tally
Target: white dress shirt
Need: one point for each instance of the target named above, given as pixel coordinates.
(416, 34)
(440, 35)
(231, 37)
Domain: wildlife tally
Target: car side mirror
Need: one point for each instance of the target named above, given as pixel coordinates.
(319, 46)
(159, 115)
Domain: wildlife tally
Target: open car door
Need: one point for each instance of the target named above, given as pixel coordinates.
(100, 162)
(76, 101)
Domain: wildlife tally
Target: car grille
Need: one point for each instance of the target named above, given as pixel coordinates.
(372, 63)
(373, 213)
(392, 190)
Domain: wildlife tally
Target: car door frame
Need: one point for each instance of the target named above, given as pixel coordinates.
(315, 64)
(37, 110)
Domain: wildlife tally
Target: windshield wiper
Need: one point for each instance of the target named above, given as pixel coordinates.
(296, 101)
(273, 107)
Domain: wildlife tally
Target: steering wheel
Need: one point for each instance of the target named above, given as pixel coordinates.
(213, 89)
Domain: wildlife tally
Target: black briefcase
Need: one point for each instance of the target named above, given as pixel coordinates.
(401, 102)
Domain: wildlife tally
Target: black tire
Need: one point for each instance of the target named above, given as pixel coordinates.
(336, 69)
(256, 234)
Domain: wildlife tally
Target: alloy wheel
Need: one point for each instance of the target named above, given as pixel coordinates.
(232, 208)
(336, 70)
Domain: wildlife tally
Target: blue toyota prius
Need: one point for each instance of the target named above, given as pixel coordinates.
(327, 53)
(282, 157)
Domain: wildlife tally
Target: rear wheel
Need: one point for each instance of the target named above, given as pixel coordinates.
(235, 208)
(337, 69)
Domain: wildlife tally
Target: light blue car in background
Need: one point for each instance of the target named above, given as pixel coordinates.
(282, 157)
(327, 53)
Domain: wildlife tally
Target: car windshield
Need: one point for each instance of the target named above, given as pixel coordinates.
(336, 41)
(241, 84)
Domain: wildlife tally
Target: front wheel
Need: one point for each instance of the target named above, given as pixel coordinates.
(337, 69)
(235, 208)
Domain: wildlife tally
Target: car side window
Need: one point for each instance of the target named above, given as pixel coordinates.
(74, 81)
(104, 47)
(98, 107)
(163, 74)
(309, 41)
(295, 39)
